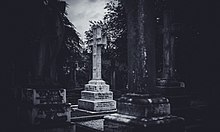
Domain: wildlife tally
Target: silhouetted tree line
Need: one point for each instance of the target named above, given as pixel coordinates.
(29, 24)
(38, 44)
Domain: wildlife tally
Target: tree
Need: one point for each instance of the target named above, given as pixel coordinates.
(74, 58)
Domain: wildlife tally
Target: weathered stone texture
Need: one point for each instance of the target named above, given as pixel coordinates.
(89, 95)
(41, 114)
(143, 105)
(144, 110)
(97, 87)
(96, 96)
(45, 96)
(125, 123)
(42, 106)
(103, 105)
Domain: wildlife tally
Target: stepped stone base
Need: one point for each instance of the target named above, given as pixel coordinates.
(105, 105)
(97, 86)
(96, 97)
(90, 95)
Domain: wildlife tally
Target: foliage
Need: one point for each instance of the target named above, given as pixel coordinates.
(115, 53)
(76, 58)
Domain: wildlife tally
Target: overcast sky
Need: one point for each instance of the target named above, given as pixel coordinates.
(80, 12)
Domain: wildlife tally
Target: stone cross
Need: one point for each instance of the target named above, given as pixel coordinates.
(96, 97)
(98, 40)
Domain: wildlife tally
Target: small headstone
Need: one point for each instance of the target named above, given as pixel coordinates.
(45, 96)
(46, 106)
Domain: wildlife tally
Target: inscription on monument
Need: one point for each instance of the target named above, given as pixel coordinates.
(97, 88)
(96, 96)
(44, 96)
(97, 105)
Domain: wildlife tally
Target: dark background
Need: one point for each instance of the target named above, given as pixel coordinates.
(198, 58)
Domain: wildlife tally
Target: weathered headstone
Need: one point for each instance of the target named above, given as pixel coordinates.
(46, 106)
(44, 99)
(96, 97)
(142, 109)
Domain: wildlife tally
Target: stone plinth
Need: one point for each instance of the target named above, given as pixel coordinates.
(143, 105)
(97, 86)
(176, 92)
(143, 112)
(167, 84)
(100, 105)
(125, 123)
(97, 97)
(90, 95)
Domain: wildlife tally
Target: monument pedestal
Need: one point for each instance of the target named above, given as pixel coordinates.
(97, 98)
(176, 93)
(143, 112)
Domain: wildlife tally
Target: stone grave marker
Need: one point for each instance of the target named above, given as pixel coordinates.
(45, 107)
(168, 84)
(143, 109)
(168, 78)
(96, 97)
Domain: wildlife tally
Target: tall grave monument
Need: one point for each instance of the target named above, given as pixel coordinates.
(168, 78)
(96, 97)
(142, 109)
(168, 84)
